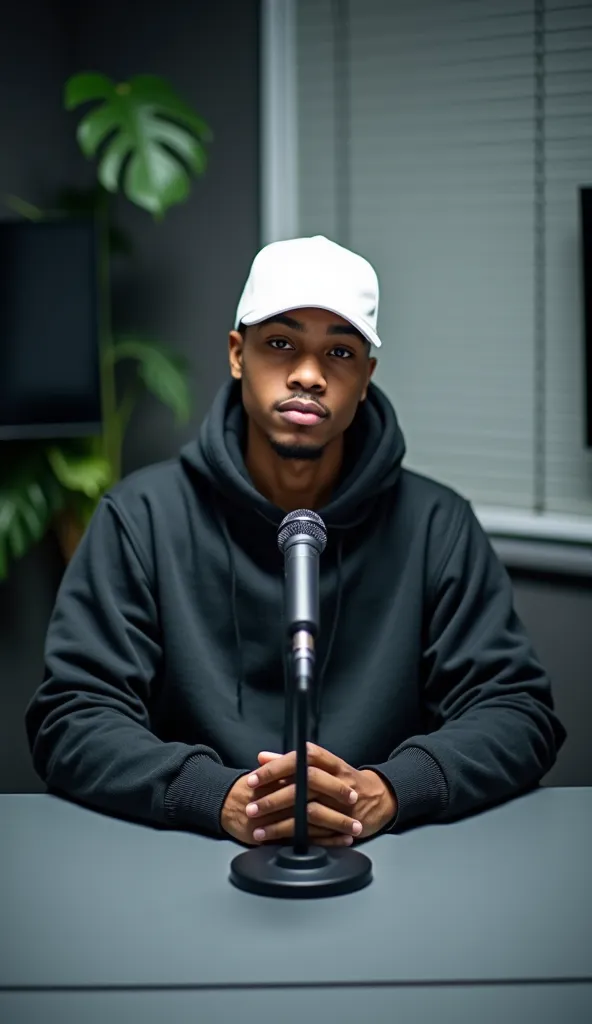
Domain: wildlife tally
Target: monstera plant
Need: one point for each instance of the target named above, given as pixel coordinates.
(148, 144)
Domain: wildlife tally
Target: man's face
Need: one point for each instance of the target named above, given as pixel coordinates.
(305, 355)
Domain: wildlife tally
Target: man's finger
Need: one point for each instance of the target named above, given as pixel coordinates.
(334, 840)
(285, 764)
(321, 784)
(266, 755)
(322, 758)
(284, 829)
(273, 787)
(274, 826)
(326, 784)
(339, 798)
(278, 768)
(314, 832)
(326, 817)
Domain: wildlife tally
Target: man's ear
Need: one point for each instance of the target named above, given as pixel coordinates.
(235, 354)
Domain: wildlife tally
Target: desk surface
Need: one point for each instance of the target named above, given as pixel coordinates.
(93, 901)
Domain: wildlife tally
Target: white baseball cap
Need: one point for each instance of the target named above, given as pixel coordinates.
(302, 272)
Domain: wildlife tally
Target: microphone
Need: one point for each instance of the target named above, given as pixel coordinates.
(302, 538)
(300, 871)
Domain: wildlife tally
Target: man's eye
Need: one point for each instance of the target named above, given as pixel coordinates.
(276, 342)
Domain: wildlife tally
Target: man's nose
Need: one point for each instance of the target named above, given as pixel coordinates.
(308, 374)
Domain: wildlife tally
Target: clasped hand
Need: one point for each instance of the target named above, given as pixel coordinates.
(259, 808)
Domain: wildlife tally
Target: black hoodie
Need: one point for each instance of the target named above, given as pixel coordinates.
(165, 655)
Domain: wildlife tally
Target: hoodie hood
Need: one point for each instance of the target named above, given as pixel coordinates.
(373, 452)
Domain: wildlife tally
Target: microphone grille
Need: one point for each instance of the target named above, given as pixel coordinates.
(302, 520)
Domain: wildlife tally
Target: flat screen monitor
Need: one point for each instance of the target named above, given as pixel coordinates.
(49, 329)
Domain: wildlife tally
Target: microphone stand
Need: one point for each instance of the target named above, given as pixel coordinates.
(303, 672)
(300, 870)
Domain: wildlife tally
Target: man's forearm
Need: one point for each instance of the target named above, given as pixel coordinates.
(485, 756)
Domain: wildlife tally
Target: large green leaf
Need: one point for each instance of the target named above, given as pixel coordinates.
(150, 139)
(88, 473)
(29, 497)
(164, 373)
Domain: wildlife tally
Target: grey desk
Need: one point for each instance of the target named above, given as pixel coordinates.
(485, 920)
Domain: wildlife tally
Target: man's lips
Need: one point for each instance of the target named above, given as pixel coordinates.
(305, 419)
(305, 414)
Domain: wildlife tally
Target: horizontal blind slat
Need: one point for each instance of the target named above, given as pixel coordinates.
(441, 153)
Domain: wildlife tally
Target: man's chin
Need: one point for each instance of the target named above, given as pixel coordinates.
(296, 451)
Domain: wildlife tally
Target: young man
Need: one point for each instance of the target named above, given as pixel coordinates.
(163, 696)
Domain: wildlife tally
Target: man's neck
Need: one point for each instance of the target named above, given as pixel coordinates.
(293, 483)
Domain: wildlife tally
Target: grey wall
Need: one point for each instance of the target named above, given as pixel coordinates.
(558, 616)
(186, 275)
(35, 144)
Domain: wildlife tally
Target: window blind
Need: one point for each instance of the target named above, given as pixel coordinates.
(566, 29)
(446, 140)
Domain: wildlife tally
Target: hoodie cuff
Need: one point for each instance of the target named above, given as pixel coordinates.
(419, 784)
(196, 795)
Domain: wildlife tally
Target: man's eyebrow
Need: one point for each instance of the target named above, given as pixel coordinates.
(297, 325)
(286, 321)
(345, 329)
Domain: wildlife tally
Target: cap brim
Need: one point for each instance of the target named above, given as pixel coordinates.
(257, 316)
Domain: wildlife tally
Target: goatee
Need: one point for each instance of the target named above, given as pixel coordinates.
(296, 451)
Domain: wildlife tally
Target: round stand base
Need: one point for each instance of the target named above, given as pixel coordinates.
(279, 871)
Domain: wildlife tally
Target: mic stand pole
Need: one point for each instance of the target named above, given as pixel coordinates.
(303, 668)
(300, 871)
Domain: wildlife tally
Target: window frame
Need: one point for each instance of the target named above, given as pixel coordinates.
(531, 532)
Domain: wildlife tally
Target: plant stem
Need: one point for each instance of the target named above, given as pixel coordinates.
(126, 406)
(111, 430)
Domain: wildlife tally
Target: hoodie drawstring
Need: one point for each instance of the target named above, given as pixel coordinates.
(321, 677)
(234, 611)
